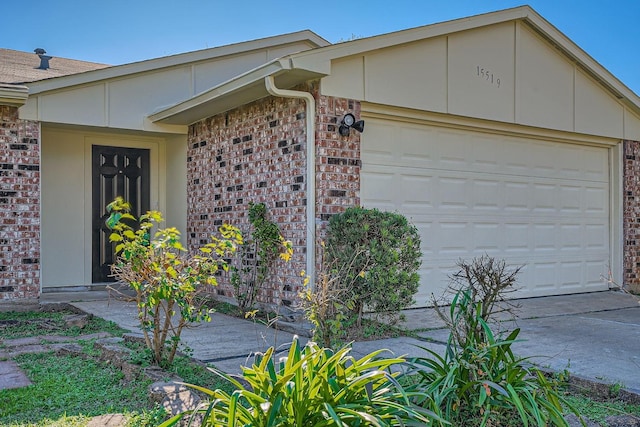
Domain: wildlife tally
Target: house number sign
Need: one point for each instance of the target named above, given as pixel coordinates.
(487, 75)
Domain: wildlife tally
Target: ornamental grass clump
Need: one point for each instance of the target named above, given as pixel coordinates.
(167, 280)
(479, 381)
(312, 386)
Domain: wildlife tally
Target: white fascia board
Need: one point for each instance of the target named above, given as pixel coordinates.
(174, 60)
(13, 95)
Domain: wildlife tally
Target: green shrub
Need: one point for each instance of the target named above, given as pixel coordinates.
(479, 380)
(313, 387)
(168, 282)
(378, 254)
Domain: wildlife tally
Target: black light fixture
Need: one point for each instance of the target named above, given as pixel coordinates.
(348, 122)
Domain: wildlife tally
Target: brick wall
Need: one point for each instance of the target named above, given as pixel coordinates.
(338, 160)
(252, 154)
(257, 153)
(631, 214)
(19, 208)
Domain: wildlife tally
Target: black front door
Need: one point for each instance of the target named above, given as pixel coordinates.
(116, 171)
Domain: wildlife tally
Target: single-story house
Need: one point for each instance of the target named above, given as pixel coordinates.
(493, 134)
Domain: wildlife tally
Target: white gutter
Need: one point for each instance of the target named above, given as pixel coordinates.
(13, 95)
(311, 167)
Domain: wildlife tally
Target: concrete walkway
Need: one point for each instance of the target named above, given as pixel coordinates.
(596, 336)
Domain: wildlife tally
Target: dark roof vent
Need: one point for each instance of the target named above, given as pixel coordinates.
(44, 59)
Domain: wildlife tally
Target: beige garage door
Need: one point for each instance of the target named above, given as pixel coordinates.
(536, 203)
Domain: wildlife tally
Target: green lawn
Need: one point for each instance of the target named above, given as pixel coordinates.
(68, 390)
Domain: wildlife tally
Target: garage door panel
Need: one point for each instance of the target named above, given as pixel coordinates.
(544, 205)
(570, 238)
(379, 185)
(596, 237)
(517, 238)
(483, 194)
(571, 200)
(453, 193)
(450, 193)
(486, 237)
(516, 196)
(596, 200)
(495, 154)
(543, 198)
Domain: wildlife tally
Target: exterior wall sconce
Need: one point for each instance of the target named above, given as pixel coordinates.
(348, 122)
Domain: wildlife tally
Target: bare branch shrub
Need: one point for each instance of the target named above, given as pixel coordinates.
(485, 282)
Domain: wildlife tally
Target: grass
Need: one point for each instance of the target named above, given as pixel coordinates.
(184, 367)
(71, 387)
(599, 411)
(68, 390)
(30, 324)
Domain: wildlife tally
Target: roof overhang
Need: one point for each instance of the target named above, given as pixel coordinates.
(233, 93)
(316, 63)
(13, 95)
(120, 71)
(320, 59)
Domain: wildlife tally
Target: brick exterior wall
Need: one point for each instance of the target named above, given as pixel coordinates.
(257, 153)
(337, 159)
(19, 208)
(631, 215)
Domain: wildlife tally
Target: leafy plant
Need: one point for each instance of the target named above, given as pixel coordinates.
(256, 257)
(484, 283)
(378, 253)
(313, 387)
(328, 303)
(167, 281)
(479, 377)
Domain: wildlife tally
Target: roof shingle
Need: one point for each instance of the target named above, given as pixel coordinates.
(22, 67)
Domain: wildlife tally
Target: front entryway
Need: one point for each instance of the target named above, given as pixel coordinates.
(116, 171)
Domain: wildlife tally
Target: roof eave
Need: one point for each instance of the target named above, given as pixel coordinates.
(238, 91)
(13, 95)
(321, 58)
(174, 60)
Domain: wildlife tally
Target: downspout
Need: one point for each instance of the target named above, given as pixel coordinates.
(311, 167)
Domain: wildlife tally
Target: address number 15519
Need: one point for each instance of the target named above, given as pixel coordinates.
(487, 75)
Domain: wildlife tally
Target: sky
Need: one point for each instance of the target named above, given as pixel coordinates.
(121, 31)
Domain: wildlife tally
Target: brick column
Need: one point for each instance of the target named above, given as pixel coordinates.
(19, 210)
(338, 160)
(631, 215)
